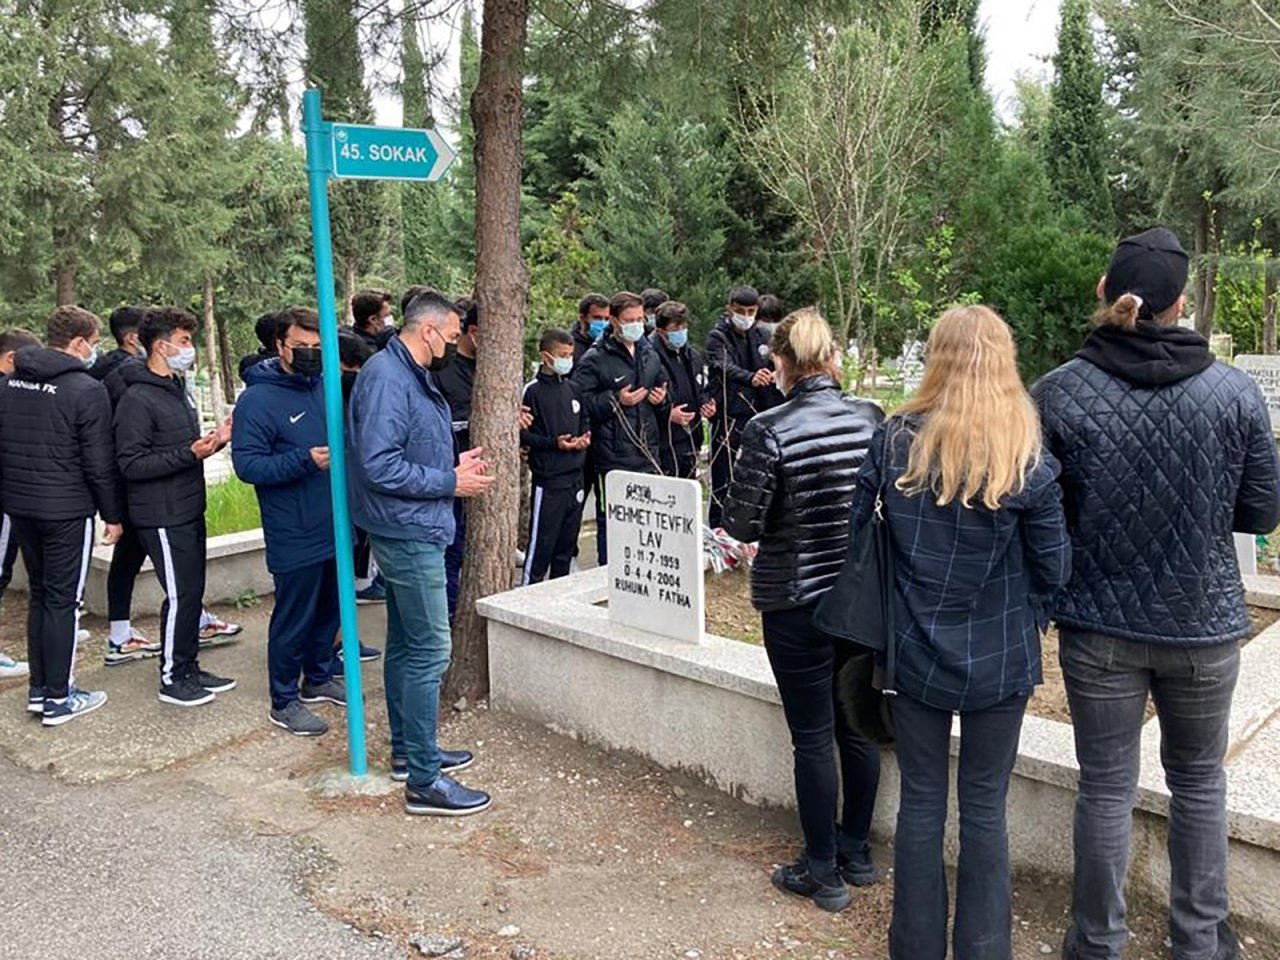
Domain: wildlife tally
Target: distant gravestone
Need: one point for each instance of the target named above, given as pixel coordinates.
(655, 554)
(1222, 346)
(1265, 370)
(911, 365)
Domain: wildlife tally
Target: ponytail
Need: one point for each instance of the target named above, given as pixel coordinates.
(1124, 313)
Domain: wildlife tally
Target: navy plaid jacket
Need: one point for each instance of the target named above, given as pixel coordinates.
(973, 584)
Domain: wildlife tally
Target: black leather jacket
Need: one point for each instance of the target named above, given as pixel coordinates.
(793, 487)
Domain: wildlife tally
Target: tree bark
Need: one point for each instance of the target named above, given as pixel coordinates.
(64, 269)
(502, 286)
(349, 289)
(1200, 286)
(224, 355)
(1270, 295)
(212, 368)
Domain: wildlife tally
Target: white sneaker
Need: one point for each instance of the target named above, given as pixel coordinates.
(11, 669)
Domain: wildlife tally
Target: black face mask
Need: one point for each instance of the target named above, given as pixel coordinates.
(306, 361)
(437, 364)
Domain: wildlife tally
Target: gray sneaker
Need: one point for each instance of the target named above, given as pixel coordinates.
(335, 691)
(298, 720)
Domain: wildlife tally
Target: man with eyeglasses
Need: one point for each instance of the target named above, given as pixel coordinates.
(279, 444)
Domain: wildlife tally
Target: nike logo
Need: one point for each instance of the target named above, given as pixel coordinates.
(297, 417)
(618, 379)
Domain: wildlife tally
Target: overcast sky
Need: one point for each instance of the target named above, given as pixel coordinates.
(1021, 35)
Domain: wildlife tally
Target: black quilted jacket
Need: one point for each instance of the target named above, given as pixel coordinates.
(155, 424)
(57, 460)
(1164, 453)
(793, 487)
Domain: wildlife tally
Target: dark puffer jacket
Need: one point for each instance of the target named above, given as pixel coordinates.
(155, 424)
(793, 487)
(622, 438)
(686, 387)
(57, 457)
(1164, 453)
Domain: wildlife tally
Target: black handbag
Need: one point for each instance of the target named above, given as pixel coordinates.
(859, 608)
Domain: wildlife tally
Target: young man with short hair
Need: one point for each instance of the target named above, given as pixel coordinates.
(653, 298)
(160, 453)
(557, 441)
(592, 322)
(123, 323)
(740, 381)
(371, 318)
(265, 328)
(623, 386)
(279, 445)
(57, 469)
(689, 402)
(457, 382)
(404, 481)
(11, 341)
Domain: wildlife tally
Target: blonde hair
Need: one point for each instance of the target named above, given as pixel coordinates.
(805, 341)
(1127, 311)
(981, 434)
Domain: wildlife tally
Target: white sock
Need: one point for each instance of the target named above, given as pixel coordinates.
(364, 583)
(121, 630)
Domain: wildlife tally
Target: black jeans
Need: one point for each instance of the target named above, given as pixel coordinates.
(56, 554)
(178, 554)
(805, 662)
(984, 894)
(1108, 681)
(127, 558)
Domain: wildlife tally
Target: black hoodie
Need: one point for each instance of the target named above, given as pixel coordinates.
(1150, 356)
(155, 425)
(57, 458)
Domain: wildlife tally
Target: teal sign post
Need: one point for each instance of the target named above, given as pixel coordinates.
(353, 151)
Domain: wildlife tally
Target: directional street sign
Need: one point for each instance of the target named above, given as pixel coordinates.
(389, 153)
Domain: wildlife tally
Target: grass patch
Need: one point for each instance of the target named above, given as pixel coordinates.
(232, 508)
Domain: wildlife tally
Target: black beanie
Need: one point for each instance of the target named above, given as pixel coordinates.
(1152, 265)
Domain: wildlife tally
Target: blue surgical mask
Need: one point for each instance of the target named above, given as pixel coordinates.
(562, 365)
(183, 360)
(92, 358)
(678, 338)
(631, 332)
(597, 327)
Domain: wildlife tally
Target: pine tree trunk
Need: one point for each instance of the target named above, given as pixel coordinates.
(1200, 287)
(502, 285)
(224, 355)
(349, 289)
(212, 368)
(1204, 319)
(64, 270)
(1270, 296)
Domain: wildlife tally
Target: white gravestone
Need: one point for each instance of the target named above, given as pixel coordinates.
(655, 554)
(1265, 371)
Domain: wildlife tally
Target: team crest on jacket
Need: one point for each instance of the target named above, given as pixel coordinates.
(577, 407)
(764, 350)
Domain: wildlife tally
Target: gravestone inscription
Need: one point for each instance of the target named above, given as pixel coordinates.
(1265, 370)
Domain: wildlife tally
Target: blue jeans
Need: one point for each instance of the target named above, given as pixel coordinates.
(1107, 683)
(984, 890)
(419, 645)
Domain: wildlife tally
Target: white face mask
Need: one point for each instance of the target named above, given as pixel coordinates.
(631, 332)
(389, 321)
(743, 323)
(92, 358)
(183, 360)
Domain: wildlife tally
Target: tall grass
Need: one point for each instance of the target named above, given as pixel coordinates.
(232, 508)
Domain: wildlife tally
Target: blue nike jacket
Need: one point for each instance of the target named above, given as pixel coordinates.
(278, 419)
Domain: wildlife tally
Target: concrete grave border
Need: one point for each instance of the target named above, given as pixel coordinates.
(712, 709)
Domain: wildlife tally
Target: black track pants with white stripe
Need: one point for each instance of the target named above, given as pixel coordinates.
(177, 553)
(8, 552)
(555, 517)
(56, 554)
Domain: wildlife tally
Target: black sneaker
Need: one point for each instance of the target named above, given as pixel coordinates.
(35, 700)
(214, 683)
(451, 761)
(854, 861)
(186, 692)
(334, 691)
(445, 798)
(298, 720)
(798, 879)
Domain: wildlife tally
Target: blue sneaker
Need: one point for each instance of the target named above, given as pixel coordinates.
(77, 704)
(445, 798)
(451, 761)
(373, 593)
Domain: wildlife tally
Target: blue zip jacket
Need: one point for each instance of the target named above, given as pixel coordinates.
(278, 419)
(400, 447)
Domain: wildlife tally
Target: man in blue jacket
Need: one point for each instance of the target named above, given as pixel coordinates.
(278, 444)
(404, 482)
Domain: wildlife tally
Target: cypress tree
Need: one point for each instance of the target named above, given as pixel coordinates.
(1075, 141)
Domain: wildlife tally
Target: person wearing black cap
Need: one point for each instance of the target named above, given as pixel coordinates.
(1165, 452)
